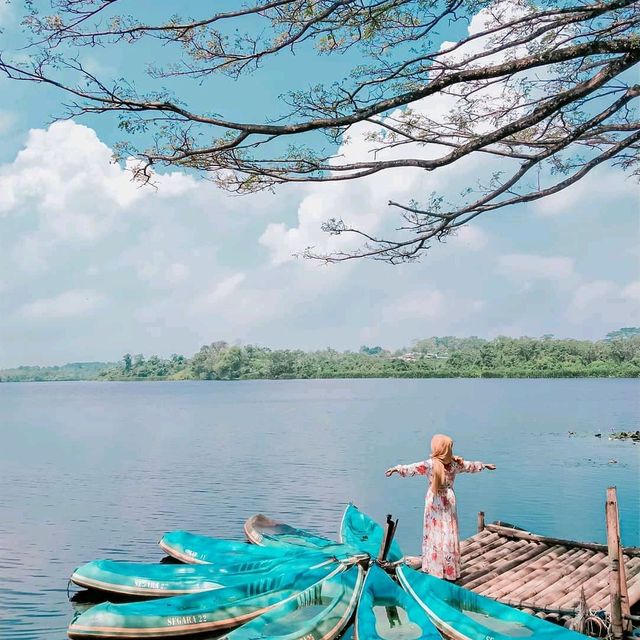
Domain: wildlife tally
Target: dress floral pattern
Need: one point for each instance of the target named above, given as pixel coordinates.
(440, 539)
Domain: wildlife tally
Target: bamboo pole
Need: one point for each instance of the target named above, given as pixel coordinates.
(481, 549)
(525, 574)
(634, 591)
(494, 556)
(547, 588)
(598, 594)
(613, 544)
(624, 592)
(476, 539)
(527, 535)
(480, 521)
(475, 579)
(559, 582)
(601, 599)
(530, 587)
(592, 585)
(521, 577)
(625, 607)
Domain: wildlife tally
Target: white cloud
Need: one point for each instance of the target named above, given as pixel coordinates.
(229, 308)
(65, 171)
(513, 330)
(7, 119)
(245, 301)
(31, 252)
(66, 177)
(362, 203)
(5, 12)
(604, 187)
(176, 273)
(591, 293)
(472, 238)
(607, 302)
(419, 305)
(532, 267)
(249, 305)
(429, 304)
(220, 290)
(74, 303)
(632, 292)
(155, 270)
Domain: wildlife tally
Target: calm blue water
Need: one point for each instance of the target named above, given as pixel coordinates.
(93, 470)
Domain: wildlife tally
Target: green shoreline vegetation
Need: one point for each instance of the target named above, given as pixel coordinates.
(618, 356)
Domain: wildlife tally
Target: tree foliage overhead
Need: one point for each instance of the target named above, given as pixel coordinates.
(546, 90)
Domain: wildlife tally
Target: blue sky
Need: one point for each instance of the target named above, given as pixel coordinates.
(93, 266)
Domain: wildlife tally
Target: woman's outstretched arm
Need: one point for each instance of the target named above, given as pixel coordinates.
(473, 467)
(415, 469)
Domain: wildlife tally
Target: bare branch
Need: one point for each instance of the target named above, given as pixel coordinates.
(537, 90)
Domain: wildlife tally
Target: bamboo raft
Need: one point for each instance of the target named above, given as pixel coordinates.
(560, 580)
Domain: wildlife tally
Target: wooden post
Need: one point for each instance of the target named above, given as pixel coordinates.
(389, 532)
(624, 592)
(385, 537)
(613, 543)
(480, 521)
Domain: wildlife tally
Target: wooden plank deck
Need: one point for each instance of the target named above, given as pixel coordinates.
(543, 575)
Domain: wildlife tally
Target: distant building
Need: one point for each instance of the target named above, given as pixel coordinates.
(412, 356)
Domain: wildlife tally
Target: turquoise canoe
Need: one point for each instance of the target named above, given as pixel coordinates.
(358, 530)
(322, 612)
(265, 532)
(196, 613)
(461, 614)
(162, 580)
(386, 612)
(197, 549)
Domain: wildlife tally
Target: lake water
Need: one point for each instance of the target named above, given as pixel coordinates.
(90, 470)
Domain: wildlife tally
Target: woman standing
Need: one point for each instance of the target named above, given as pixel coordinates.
(440, 540)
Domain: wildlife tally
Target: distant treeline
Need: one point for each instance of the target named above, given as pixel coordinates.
(618, 355)
(66, 372)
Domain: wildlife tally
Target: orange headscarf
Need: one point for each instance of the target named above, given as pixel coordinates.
(441, 454)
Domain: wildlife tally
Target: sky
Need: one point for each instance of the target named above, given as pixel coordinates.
(93, 266)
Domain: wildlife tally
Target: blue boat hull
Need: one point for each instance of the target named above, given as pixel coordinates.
(192, 548)
(386, 612)
(268, 533)
(145, 580)
(208, 611)
(461, 614)
(321, 612)
(358, 530)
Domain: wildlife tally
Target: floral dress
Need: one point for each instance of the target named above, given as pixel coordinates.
(440, 540)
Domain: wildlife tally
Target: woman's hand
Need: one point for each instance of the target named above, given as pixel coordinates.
(491, 467)
(390, 472)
